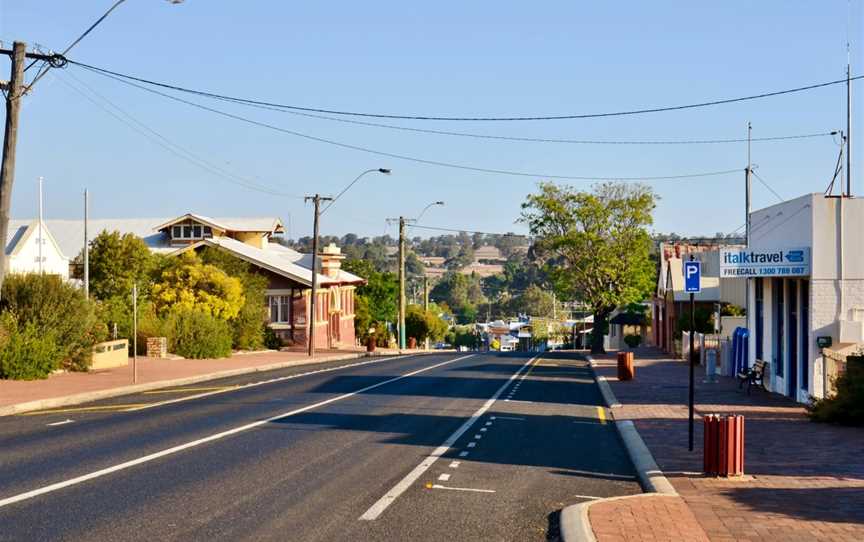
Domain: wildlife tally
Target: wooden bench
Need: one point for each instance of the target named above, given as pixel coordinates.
(754, 376)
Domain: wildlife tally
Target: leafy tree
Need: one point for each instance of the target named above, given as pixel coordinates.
(376, 301)
(422, 324)
(595, 243)
(248, 326)
(117, 262)
(463, 258)
(189, 284)
(533, 302)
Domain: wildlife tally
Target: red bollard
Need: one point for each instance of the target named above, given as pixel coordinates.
(723, 445)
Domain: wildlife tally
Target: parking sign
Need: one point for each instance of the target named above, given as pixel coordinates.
(692, 276)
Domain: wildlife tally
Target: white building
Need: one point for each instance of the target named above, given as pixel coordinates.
(805, 264)
(23, 253)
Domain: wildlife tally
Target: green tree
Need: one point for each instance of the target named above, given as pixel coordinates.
(117, 262)
(189, 284)
(595, 244)
(422, 324)
(533, 302)
(375, 301)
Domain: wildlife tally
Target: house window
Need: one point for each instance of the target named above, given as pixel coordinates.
(280, 309)
(177, 232)
(187, 231)
(208, 232)
(196, 231)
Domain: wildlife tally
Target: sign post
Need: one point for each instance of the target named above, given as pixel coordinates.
(692, 285)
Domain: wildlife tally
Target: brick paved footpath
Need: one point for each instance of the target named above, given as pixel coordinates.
(804, 481)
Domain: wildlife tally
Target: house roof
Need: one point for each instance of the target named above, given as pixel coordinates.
(487, 252)
(710, 285)
(19, 232)
(249, 224)
(69, 234)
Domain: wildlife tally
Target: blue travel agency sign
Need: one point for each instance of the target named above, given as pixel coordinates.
(785, 262)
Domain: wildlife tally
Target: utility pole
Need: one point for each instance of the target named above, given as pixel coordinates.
(402, 282)
(86, 249)
(134, 333)
(747, 203)
(14, 93)
(41, 239)
(316, 199)
(426, 300)
(848, 124)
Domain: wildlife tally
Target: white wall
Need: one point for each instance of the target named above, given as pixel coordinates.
(26, 259)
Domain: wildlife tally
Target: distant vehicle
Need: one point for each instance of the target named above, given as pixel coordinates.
(441, 346)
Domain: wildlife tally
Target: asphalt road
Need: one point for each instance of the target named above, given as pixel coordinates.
(440, 447)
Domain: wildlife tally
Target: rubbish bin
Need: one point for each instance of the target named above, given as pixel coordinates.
(412, 343)
(370, 343)
(723, 446)
(625, 366)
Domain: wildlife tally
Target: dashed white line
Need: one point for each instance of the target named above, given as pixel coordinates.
(484, 429)
(472, 444)
(64, 422)
(454, 464)
(378, 508)
(437, 486)
(216, 436)
(489, 423)
(478, 437)
(444, 477)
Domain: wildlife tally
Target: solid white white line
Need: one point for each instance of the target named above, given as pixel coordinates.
(444, 477)
(378, 508)
(454, 464)
(217, 436)
(64, 422)
(437, 486)
(261, 383)
(590, 497)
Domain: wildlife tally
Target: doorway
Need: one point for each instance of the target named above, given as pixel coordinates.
(792, 380)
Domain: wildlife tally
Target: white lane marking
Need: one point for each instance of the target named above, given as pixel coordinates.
(484, 429)
(590, 497)
(438, 486)
(520, 401)
(492, 417)
(454, 464)
(64, 422)
(217, 436)
(261, 383)
(444, 477)
(478, 437)
(378, 508)
(510, 418)
(472, 444)
(489, 423)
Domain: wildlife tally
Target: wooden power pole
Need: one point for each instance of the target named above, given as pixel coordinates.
(402, 282)
(316, 199)
(14, 93)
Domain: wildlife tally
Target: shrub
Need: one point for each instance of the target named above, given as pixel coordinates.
(195, 334)
(187, 283)
(633, 340)
(422, 324)
(26, 353)
(54, 307)
(847, 405)
(271, 340)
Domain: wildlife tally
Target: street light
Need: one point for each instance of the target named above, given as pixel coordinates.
(426, 209)
(317, 199)
(381, 170)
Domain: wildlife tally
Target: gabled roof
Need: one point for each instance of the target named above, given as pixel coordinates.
(69, 234)
(251, 224)
(19, 233)
(710, 285)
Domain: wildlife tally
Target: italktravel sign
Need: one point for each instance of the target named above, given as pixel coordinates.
(786, 262)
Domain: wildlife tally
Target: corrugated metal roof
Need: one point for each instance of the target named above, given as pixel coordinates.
(244, 224)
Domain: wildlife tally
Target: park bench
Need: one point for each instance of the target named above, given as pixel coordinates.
(754, 376)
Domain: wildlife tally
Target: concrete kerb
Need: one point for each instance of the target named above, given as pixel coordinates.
(86, 397)
(575, 523)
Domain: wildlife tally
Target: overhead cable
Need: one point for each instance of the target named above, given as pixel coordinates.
(467, 118)
(416, 159)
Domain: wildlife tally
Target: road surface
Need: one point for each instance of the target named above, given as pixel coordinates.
(437, 447)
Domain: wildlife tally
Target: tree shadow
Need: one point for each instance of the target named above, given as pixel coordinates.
(830, 504)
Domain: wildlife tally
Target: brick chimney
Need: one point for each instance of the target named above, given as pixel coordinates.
(331, 260)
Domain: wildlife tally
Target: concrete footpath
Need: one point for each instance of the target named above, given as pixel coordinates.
(63, 389)
(804, 481)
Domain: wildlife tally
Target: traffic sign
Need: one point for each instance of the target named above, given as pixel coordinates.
(692, 276)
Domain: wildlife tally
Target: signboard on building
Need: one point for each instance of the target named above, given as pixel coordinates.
(780, 262)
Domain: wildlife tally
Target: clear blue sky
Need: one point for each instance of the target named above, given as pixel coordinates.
(439, 58)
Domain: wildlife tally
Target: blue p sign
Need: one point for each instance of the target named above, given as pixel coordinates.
(692, 276)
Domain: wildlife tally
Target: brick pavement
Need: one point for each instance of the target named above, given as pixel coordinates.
(648, 516)
(805, 481)
(14, 392)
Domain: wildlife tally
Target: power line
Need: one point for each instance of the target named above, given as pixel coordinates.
(166, 143)
(765, 183)
(537, 139)
(471, 119)
(413, 158)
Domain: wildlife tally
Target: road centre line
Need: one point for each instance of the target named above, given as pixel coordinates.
(145, 406)
(100, 408)
(378, 508)
(181, 390)
(217, 436)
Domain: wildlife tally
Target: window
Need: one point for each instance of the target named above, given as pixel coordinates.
(208, 232)
(177, 232)
(187, 231)
(779, 313)
(280, 309)
(760, 318)
(805, 334)
(196, 231)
